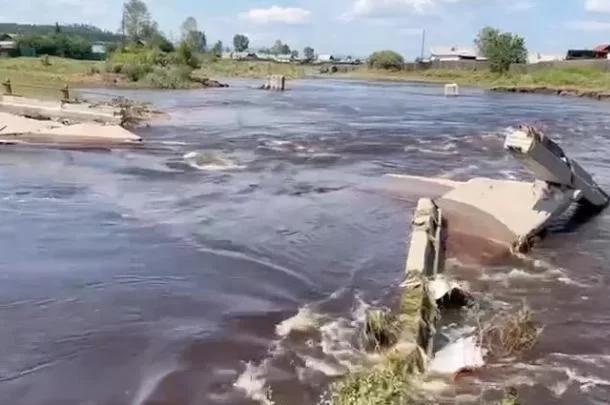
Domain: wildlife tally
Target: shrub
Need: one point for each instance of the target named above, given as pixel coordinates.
(186, 56)
(388, 60)
(173, 77)
(136, 71)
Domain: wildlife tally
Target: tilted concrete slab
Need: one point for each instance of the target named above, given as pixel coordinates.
(506, 213)
(17, 129)
(55, 109)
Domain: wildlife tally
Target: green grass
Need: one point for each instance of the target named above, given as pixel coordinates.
(582, 79)
(30, 77)
(249, 69)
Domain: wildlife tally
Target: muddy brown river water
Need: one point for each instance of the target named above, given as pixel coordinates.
(231, 259)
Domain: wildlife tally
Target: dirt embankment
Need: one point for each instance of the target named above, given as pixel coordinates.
(564, 92)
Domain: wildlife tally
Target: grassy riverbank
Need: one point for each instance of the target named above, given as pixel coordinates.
(32, 77)
(40, 77)
(573, 79)
(220, 68)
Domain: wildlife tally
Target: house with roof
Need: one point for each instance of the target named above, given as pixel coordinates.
(8, 45)
(603, 51)
(453, 53)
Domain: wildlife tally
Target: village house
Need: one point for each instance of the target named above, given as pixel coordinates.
(451, 54)
(8, 45)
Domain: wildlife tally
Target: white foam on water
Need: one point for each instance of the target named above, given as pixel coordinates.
(174, 143)
(586, 382)
(340, 337)
(464, 354)
(150, 384)
(303, 321)
(323, 366)
(208, 161)
(253, 384)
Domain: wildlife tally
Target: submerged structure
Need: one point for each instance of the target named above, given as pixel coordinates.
(506, 215)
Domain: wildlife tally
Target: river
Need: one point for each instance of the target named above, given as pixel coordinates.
(171, 273)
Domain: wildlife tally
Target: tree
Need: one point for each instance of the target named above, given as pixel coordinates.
(280, 48)
(294, 54)
(217, 48)
(241, 43)
(190, 33)
(136, 19)
(388, 60)
(308, 53)
(57, 28)
(501, 48)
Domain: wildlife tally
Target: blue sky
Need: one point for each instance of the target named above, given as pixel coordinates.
(355, 27)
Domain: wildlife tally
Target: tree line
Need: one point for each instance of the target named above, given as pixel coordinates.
(501, 49)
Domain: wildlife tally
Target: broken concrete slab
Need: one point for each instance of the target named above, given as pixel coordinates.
(510, 214)
(17, 129)
(60, 110)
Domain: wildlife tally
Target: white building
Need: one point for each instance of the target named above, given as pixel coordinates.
(325, 58)
(537, 57)
(454, 53)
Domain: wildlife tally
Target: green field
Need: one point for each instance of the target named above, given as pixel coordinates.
(30, 77)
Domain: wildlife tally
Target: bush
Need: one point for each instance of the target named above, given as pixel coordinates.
(136, 71)
(174, 77)
(187, 57)
(388, 60)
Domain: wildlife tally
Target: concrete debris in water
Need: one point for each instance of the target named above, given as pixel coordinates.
(275, 82)
(15, 129)
(463, 355)
(511, 214)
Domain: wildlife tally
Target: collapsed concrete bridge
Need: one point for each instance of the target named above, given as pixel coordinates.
(509, 215)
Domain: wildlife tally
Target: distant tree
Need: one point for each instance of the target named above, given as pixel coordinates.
(501, 48)
(217, 48)
(241, 43)
(388, 60)
(308, 53)
(57, 28)
(280, 48)
(294, 54)
(136, 19)
(186, 55)
(195, 38)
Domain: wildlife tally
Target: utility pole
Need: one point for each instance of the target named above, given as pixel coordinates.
(423, 43)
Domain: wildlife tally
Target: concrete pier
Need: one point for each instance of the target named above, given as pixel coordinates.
(275, 82)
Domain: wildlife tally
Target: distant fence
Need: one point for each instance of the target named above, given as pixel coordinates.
(600, 64)
(447, 65)
(10, 88)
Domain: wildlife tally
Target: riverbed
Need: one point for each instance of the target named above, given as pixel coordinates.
(230, 259)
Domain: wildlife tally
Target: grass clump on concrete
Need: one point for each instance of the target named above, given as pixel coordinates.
(403, 340)
(390, 383)
(511, 397)
(382, 329)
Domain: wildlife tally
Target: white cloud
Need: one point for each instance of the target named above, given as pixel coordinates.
(391, 8)
(276, 14)
(588, 25)
(380, 8)
(521, 5)
(597, 6)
